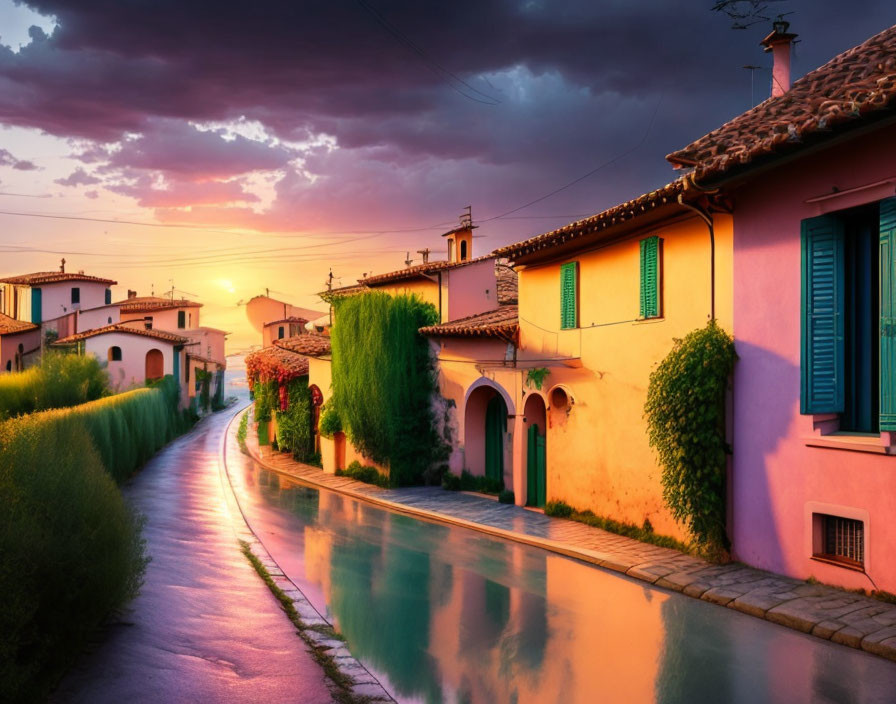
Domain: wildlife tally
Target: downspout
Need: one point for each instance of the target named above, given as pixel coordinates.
(707, 218)
(440, 297)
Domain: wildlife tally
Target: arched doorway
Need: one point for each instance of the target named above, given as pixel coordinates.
(317, 400)
(535, 417)
(485, 429)
(155, 365)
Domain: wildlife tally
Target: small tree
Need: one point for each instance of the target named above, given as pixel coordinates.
(685, 413)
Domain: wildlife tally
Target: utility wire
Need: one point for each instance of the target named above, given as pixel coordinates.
(437, 68)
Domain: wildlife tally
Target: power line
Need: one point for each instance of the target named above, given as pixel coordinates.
(437, 68)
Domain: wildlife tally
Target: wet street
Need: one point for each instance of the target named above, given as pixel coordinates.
(204, 628)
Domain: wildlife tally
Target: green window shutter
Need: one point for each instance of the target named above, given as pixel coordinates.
(887, 315)
(822, 293)
(181, 319)
(37, 306)
(569, 317)
(650, 277)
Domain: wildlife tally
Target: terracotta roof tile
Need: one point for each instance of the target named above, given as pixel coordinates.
(147, 304)
(203, 360)
(123, 327)
(613, 216)
(54, 277)
(291, 319)
(508, 284)
(277, 361)
(854, 87)
(502, 322)
(310, 344)
(10, 326)
(417, 270)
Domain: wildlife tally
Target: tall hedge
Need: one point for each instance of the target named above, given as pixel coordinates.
(383, 381)
(70, 550)
(60, 380)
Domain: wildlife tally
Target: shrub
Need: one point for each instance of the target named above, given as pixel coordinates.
(383, 380)
(685, 413)
(363, 473)
(330, 423)
(450, 481)
(267, 399)
(558, 509)
(467, 482)
(506, 497)
(61, 380)
(71, 550)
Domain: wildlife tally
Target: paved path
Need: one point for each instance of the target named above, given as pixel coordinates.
(205, 628)
(843, 617)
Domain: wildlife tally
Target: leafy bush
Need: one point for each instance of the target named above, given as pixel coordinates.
(384, 381)
(204, 377)
(561, 509)
(450, 481)
(685, 413)
(61, 380)
(242, 432)
(506, 497)
(329, 423)
(71, 550)
(366, 474)
(294, 425)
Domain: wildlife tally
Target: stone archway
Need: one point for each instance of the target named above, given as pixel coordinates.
(485, 432)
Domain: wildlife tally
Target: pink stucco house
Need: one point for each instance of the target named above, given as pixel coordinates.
(47, 295)
(19, 343)
(811, 179)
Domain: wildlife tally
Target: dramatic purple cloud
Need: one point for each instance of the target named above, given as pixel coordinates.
(7, 159)
(78, 177)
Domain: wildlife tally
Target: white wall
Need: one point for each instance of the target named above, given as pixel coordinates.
(98, 317)
(210, 343)
(167, 319)
(131, 370)
(471, 289)
(56, 298)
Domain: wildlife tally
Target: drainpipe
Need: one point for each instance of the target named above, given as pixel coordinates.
(440, 296)
(707, 218)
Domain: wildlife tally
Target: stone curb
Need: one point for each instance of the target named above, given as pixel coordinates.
(825, 612)
(365, 686)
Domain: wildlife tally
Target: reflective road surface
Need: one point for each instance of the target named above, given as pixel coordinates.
(444, 614)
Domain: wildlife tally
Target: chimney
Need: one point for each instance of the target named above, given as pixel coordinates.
(62, 266)
(779, 43)
(460, 239)
(131, 294)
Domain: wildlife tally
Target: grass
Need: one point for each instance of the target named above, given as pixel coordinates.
(880, 595)
(242, 432)
(644, 533)
(343, 682)
(468, 482)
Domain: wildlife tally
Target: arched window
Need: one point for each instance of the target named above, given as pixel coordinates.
(114, 353)
(463, 250)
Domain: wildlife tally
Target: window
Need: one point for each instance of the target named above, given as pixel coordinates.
(108, 296)
(463, 250)
(839, 539)
(569, 304)
(280, 333)
(181, 319)
(848, 354)
(147, 322)
(9, 365)
(651, 278)
(76, 295)
(114, 354)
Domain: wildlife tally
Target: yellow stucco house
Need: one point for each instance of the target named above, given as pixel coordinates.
(549, 395)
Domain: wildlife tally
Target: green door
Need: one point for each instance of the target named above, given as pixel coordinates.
(536, 468)
(495, 424)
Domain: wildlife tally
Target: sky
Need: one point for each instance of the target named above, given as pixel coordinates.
(225, 148)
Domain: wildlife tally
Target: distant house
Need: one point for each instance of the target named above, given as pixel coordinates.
(156, 312)
(47, 295)
(276, 320)
(811, 173)
(281, 329)
(134, 355)
(19, 343)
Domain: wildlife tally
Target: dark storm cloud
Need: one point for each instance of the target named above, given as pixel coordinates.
(575, 82)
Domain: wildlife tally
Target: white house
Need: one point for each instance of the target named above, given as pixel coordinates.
(47, 295)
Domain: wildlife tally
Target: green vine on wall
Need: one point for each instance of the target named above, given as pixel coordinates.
(685, 413)
(384, 381)
(294, 425)
(535, 377)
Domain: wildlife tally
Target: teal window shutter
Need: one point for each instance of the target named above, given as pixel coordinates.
(822, 368)
(181, 319)
(569, 314)
(650, 278)
(37, 306)
(887, 315)
(108, 296)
